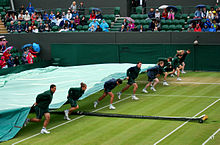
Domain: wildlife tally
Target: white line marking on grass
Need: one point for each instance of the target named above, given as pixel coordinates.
(152, 95)
(184, 123)
(211, 137)
(69, 121)
(197, 83)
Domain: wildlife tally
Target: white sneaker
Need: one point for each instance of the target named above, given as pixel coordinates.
(178, 79)
(153, 89)
(111, 107)
(176, 73)
(95, 104)
(44, 131)
(26, 122)
(183, 72)
(144, 91)
(119, 95)
(165, 84)
(172, 75)
(67, 118)
(134, 97)
(66, 115)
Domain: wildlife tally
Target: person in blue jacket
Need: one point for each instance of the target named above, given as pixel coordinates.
(152, 74)
(205, 28)
(104, 26)
(108, 87)
(30, 9)
(95, 23)
(212, 29)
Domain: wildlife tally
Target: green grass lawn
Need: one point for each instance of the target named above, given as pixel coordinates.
(178, 99)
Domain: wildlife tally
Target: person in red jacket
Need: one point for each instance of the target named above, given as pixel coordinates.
(7, 54)
(3, 63)
(165, 14)
(198, 28)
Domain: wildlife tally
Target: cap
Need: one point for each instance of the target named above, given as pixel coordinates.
(157, 10)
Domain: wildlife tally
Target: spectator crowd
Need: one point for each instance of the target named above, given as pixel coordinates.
(9, 57)
(31, 20)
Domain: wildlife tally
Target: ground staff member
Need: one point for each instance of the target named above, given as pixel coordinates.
(73, 96)
(132, 74)
(41, 108)
(108, 86)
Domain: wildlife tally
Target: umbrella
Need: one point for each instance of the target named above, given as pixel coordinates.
(26, 45)
(96, 9)
(36, 47)
(163, 7)
(130, 19)
(172, 7)
(9, 48)
(197, 19)
(201, 6)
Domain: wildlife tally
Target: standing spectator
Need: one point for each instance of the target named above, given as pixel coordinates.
(198, 28)
(41, 27)
(34, 16)
(19, 27)
(22, 9)
(12, 27)
(75, 13)
(21, 16)
(83, 21)
(81, 8)
(92, 15)
(197, 13)
(3, 63)
(171, 15)
(27, 16)
(165, 14)
(157, 14)
(69, 15)
(77, 20)
(104, 26)
(151, 14)
(30, 9)
(73, 6)
(45, 16)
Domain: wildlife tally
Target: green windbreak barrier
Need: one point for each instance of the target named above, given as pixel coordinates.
(202, 57)
(19, 90)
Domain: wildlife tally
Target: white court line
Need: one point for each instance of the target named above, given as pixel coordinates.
(184, 123)
(211, 137)
(69, 121)
(187, 96)
(197, 83)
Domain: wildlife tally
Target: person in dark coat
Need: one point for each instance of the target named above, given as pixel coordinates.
(108, 87)
(152, 74)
